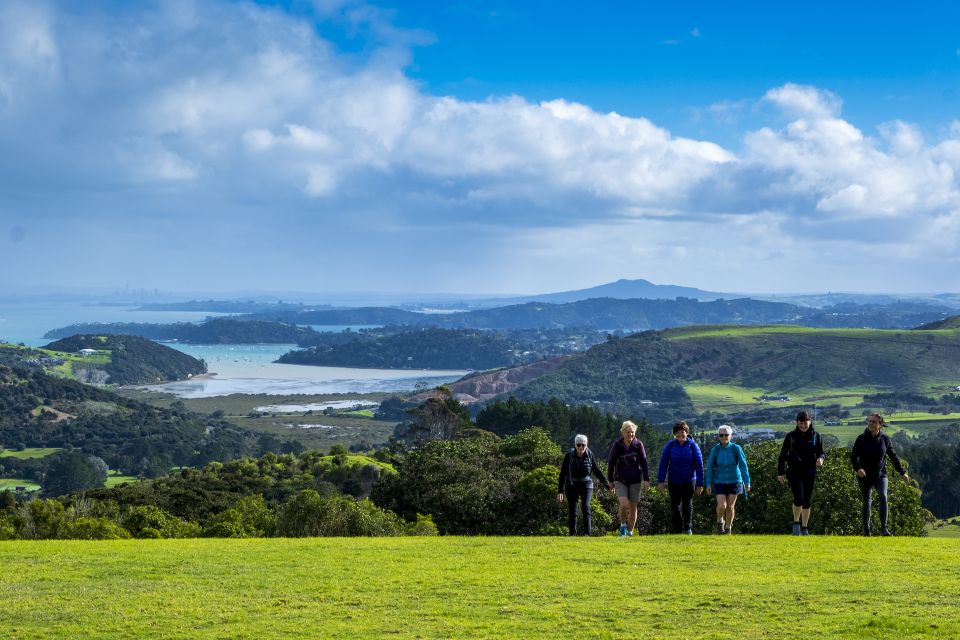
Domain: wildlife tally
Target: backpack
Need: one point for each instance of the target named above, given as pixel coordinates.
(588, 461)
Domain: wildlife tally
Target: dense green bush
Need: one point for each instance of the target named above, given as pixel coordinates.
(93, 529)
(153, 522)
(310, 514)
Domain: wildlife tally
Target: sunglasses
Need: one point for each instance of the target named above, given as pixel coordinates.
(581, 445)
(723, 435)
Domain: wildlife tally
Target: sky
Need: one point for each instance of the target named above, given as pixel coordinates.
(479, 147)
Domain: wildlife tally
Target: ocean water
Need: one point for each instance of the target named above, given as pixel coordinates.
(26, 322)
(238, 368)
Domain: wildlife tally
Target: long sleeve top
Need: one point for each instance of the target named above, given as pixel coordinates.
(579, 469)
(800, 452)
(727, 464)
(870, 453)
(628, 463)
(682, 462)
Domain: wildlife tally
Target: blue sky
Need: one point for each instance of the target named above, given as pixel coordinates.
(479, 147)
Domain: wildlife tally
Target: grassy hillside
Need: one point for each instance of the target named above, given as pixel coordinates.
(126, 360)
(728, 368)
(657, 587)
(786, 359)
(953, 322)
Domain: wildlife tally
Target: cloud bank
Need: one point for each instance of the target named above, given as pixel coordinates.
(185, 134)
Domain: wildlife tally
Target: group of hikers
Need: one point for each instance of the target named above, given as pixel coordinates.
(726, 475)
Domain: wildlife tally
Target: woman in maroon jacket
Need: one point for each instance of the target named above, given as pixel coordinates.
(628, 473)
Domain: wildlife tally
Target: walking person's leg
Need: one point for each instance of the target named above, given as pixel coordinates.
(686, 506)
(796, 487)
(721, 512)
(731, 511)
(676, 516)
(572, 494)
(586, 495)
(807, 484)
(867, 504)
(881, 487)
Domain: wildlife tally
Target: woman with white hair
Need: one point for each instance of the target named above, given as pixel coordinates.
(576, 483)
(727, 477)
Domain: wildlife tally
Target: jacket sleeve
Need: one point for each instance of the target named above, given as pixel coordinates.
(894, 458)
(643, 463)
(819, 449)
(742, 463)
(564, 470)
(855, 453)
(708, 473)
(664, 463)
(782, 460)
(611, 461)
(597, 471)
(698, 464)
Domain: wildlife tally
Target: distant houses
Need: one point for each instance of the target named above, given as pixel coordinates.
(87, 352)
(774, 398)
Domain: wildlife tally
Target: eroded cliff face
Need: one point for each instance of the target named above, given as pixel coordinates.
(483, 386)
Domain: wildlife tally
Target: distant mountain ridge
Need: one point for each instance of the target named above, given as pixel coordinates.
(622, 289)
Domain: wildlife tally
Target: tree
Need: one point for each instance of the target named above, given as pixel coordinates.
(70, 471)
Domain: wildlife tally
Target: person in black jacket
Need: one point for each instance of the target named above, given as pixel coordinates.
(868, 457)
(576, 483)
(800, 457)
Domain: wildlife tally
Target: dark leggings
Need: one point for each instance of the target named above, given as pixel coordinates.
(802, 486)
(579, 491)
(681, 505)
(880, 484)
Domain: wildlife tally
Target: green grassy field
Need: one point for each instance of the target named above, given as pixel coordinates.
(313, 431)
(13, 483)
(945, 529)
(657, 587)
(29, 452)
(114, 480)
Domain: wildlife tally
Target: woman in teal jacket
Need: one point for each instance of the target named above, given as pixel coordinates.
(727, 476)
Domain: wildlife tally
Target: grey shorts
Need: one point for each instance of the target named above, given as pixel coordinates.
(629, 491)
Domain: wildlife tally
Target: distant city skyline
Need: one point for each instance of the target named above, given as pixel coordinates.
(478, 148)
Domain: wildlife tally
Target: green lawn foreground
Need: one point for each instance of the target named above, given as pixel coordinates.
(454, 587)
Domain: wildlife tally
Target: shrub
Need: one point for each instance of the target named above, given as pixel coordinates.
(153, 522)
(249, 518)
(422, 526)
(93, 529)
(310, 514)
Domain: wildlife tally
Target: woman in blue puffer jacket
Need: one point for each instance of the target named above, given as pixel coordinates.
(682, 462)
(727, 477)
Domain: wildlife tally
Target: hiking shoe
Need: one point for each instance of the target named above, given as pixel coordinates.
(629, 533)
(728, 531)
(623, 531)
(886, 532)
(721, 526)
(688, 532)
(804, 531)
(866, 533)
(796, 528)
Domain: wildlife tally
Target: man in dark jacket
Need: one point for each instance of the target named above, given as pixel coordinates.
(868, 458)
(576, 483)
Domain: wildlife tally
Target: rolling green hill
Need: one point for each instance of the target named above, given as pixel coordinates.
(737, 365)
(43, 411)
(124, 360)
(953, 322)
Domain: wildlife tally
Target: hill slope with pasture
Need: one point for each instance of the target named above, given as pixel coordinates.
(646, 373)
(119, 359)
